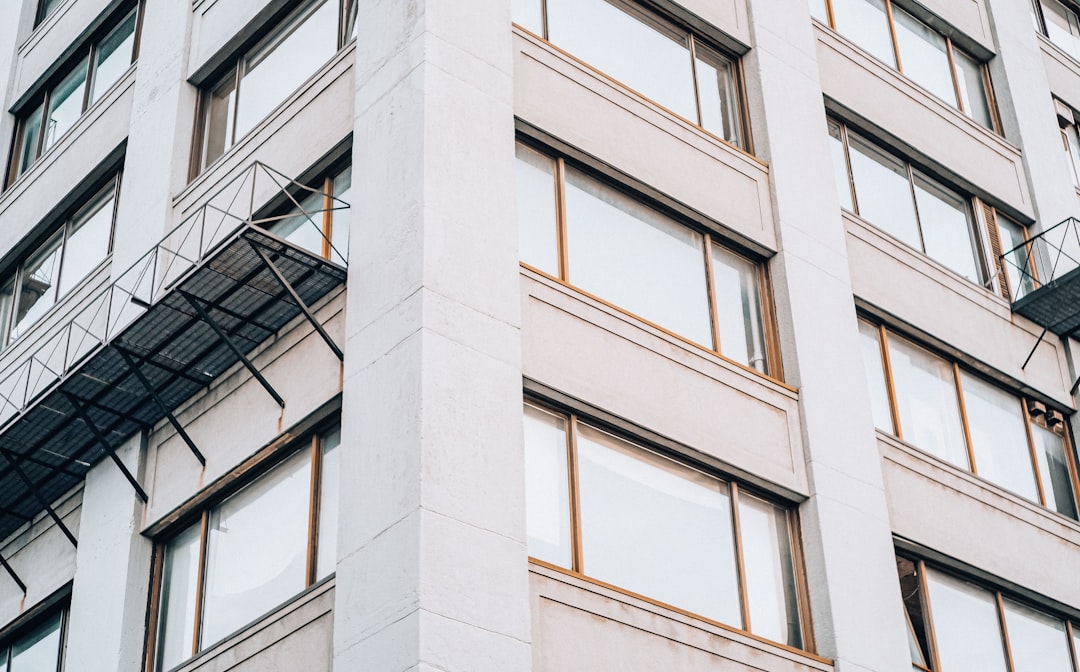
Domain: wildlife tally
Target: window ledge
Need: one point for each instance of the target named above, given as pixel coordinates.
(1058, 54)
(40, 30)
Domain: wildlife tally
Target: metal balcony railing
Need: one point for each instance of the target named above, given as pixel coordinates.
(1043, 276)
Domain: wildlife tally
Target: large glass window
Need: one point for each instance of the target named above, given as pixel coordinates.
(1060, 22)
(905, 203)
(264, 76)
(256, 549)
(78, 86)
(663, 62)
(626, 252)
(603, 507)
(37, 647)
(911, 46)
(959, 626)
(960, 417)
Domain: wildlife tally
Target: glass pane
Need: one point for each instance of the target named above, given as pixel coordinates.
(48, 7)
(113, 56)
(341, 218)
(911, 593)
(998, 437)
(257, 555)
(1076, 643)
(176, 612)
(656, 528)
(1020, 274)
(631, 47)
(883, 191)
(923, 56)
(1072, 149)
(65, 105)
(627, 253)
(37, 284)
(547, 493)
(7, 300)
(819, 11)
(88, 241)
(718, 91)
(1038, 642)
(31, 136)
(969, 75)
(770, 571)
(538, 239)
(866, 23)
(1062, 26)
(218, 125)
(1054, 469)
(870, 345)
(946, 227)
(926, 398)
(39, 650)
(330, 487)
(304, 225)
(965, 626)
(840, 168)
(529, 14)
(281, 65)
(738, 308)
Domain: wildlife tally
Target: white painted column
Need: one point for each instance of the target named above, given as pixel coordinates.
(432, 570)
(854, 590)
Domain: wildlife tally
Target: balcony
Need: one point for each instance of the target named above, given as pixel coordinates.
(1043, 276)
(196, 304)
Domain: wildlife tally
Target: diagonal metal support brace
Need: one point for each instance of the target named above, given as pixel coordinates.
(297, 300)
(80, 410)
(133, 367)
(13, 575)
(1034, 348)
(37, 496)
(205, 317)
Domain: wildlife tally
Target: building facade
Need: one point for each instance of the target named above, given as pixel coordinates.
(539, 335)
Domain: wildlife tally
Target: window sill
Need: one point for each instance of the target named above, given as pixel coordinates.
(1052, 50)
(41, 29)
(569, 590)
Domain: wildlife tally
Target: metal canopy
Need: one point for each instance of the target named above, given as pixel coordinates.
(136, 352)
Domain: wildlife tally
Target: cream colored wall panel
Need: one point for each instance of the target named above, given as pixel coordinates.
(592, 113)
(968, 16)
(727, 15)
(1062, 73)
(49, 42)
(728, 416)
(216, 22)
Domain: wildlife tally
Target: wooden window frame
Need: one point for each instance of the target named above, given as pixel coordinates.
(650, 16)
(571, 421)
(988, 85)
(897, 430)
(770, 338)
(314, 443)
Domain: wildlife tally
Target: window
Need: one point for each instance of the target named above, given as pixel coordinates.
(265, 75)
(319, 223)
(38, 647)
(45, 9)
(906, 203)
(578, 229)
(75, 88)
(1058, 20)
(69, 254)
(663, 62)
(602, 507)
(949, 412)
(955, 626)
(905, 43)
(249, 553)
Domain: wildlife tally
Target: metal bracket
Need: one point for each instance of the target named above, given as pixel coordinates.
(205, 317)
(80, 410)
(298, 301)
(1034, 348)
(37, 495)
(13, 575)
(133, 367)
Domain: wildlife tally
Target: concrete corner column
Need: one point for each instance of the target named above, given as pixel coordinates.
(109, 595)
(854, 590)
(432, 568)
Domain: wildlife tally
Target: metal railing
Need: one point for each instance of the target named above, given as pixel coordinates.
(1043, 259)
(106, 314)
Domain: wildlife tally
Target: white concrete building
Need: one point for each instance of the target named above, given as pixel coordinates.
(539, 335)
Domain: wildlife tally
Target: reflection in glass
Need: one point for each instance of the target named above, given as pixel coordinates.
(39, 650)
(840, 167)
(883, 191)
(305, 227)
(1050, 451)
(257, 549)
(926, 400)
(47, 8)
(219, 108)
(965, 626)
(113, 57)
(717, 91)
(738, 308)
(7, 301)
(771, 591)
(330, 488)
(37, 284)
(176, 610)
(1020, 275)
(636, 258)
(866, 23)
(1038, 643)
(657, 528)
(341, 217)
(870, 346)
(924, 56)
(87, 243)
(973, 91)
(911, 593)
(547, 494)
(65, 104)
(30, 141)
(947, 229)
(999, 437)
(628, 45)
(537, 235)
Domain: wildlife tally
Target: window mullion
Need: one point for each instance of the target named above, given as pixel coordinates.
(43, 128)
(928, 617)
(952, 73)
(890, 384)
(1004, 632)
(200, 582)
(690, 41)
(236, 104)
(88, 85)
(1070, 634)
(830, 14)
(964, 418)
(1033, 453)
(314, 501)
(544, 19)
(740, 566)
(847, 162)
(1074, 477)
(892, 32)
(560, 219)
(576, 559)
(915, 206)
(710, 285)
(327, 216)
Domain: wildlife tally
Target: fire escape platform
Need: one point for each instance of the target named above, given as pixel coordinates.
(1055, 305)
